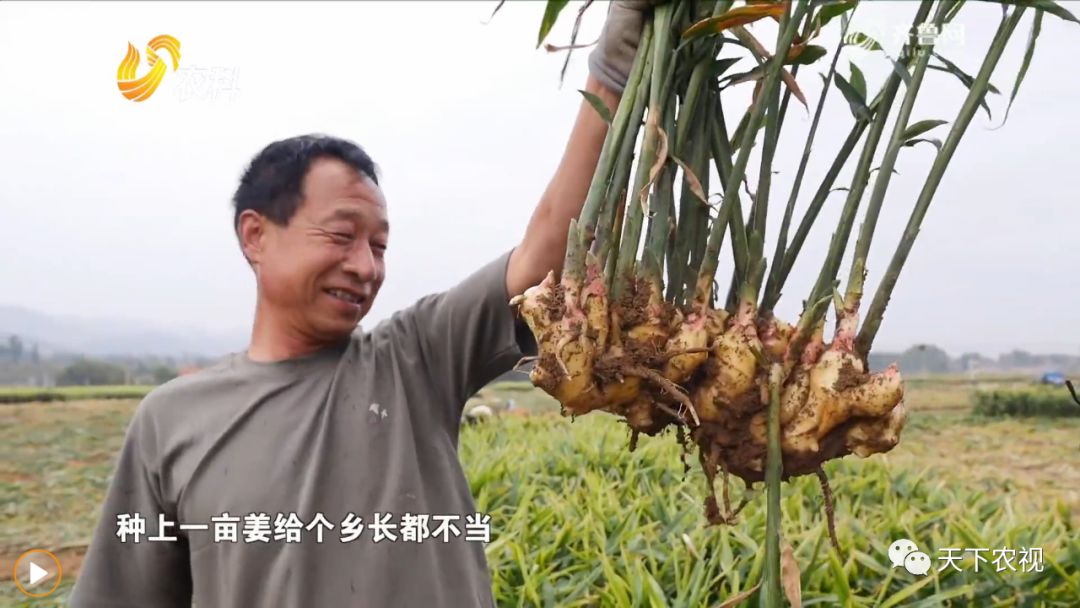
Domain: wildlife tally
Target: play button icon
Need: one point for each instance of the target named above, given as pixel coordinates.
(37, 573)
(35, 570)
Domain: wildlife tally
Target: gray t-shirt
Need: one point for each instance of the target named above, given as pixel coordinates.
(364, 434)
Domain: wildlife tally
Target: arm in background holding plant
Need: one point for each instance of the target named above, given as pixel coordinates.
(543, 246)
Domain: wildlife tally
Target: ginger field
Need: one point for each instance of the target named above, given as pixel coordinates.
(578, 520)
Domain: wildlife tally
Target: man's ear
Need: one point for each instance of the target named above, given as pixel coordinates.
(251, 230)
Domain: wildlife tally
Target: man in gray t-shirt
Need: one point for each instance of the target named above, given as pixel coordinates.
(319, 467)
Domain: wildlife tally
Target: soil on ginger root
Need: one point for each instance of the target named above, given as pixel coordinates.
(554, 302)
(646, 354)
(732, 442)
(849, 377)
(609, 369)
(649, 354)
(592, 333)
(738, 451)
(633, 306)
(749, 403)
(549, 381)
(660, 419)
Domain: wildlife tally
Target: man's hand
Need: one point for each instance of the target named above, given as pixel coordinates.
(611, 60)
(544, 245)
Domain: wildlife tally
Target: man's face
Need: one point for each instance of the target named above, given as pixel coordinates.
(320, 273)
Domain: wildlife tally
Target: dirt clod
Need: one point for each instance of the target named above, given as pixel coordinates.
(554, 302)
(849, 377)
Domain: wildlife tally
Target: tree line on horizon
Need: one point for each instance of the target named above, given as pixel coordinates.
(24, 364)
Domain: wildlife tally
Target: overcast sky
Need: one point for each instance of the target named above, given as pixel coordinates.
(121, 209)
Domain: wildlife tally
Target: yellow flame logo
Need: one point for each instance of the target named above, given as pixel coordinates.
(141, 88)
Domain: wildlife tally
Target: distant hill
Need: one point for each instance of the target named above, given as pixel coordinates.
(929, 359)
(103, 336)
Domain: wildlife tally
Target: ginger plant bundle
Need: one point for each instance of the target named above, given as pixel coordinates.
(634, 327)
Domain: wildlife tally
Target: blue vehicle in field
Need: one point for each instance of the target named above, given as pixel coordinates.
(1053, 378)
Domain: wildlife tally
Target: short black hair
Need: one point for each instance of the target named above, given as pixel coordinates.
(272, 183)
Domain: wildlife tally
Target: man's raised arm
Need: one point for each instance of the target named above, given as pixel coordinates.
(544, 244)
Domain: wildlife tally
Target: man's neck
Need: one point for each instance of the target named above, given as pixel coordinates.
(274, 338)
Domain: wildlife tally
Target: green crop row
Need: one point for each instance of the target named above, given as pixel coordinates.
(577, 520)
(1029, 401)
(29, 394)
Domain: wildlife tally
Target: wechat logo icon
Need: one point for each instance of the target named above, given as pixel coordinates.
(905, 554)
